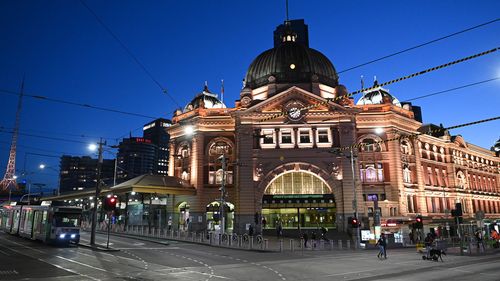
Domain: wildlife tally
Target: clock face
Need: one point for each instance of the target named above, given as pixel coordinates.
(294, 113)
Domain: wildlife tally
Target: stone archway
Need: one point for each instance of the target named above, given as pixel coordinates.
(298, 196)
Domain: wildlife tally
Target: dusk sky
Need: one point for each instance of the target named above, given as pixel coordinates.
(64, 53)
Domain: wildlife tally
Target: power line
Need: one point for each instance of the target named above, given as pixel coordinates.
(57, 133)
(39, 149)
(420, 45)
(452, 89)
(337, 98)
(430, 132)
(77, 104)
(44, 137)
(136, 60)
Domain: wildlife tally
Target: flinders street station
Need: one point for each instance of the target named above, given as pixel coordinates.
(286, 170)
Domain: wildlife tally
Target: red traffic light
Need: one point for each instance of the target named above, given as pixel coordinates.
(110, 203)
(419, 219)
(354, 222)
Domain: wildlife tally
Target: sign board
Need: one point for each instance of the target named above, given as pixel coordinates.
(366, 235)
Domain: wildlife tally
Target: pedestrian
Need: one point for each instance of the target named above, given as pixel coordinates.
(382, 244)
(264, 223)
(412, 238)
(169, 223)
(279, 230)
(305, 237)
(324, 230)
(479, 239)
(428, 244)
(250, 230)
(313, 239)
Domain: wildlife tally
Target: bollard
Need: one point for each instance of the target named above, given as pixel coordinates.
(302, 244)
(193, 236)
(291, 245)
(142, 230)
(229, 240)
(348, 244)
(281, 245)
(240, 241)
(266, 244)
(331, 245)
(251, 242)
(210, 236)
(340, 244)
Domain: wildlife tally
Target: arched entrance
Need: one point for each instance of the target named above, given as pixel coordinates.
(298, 200)
(213, 216)
(183, 211)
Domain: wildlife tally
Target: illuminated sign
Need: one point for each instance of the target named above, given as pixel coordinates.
(142, 140)
(148, 126)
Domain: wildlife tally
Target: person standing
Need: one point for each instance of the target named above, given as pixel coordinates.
(382, 244)
(279, 230)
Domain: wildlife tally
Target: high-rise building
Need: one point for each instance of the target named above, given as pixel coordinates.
(80, 173)
(136, 156)
(156, 131)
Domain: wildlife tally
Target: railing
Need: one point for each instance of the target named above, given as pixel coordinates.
(243, 242)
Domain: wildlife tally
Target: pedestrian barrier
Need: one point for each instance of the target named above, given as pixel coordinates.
(348, 244)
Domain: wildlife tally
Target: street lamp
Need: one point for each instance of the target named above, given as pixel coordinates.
(97, 188)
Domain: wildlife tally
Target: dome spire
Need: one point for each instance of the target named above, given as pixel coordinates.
(287, 19)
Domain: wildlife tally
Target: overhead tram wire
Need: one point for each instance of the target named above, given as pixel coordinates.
(44, 137)
(78, 104)
(57, 133)
(415, 135)
(277, 115)
(420, 45)
(39, 149)
(452, 89)
(129, 52)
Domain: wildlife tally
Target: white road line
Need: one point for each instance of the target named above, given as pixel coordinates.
(81, 263)
(55, 265)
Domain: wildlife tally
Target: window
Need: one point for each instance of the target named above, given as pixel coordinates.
(297, 183)
(372, 172)
(323, 136)
(215, 172)
(286, 136)
(268, 139)
(406, 174)
(461, 179)
(405, 148)
(305, 136)
(370, 145)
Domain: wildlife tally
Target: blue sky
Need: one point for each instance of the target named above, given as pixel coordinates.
(64, 53)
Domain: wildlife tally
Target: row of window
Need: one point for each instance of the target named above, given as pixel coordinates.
(303, 137)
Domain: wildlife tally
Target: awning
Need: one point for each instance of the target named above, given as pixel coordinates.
(153, 184)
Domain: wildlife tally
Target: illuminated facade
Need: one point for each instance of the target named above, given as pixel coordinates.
(283, 170)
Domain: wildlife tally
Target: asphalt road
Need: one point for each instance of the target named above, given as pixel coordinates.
(21, 259)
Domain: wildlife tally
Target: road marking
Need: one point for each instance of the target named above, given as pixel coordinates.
(5, 253)
(81, 263)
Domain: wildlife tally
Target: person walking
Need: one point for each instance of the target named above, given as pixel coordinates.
(382, 243)
(313, 239)
(305, 237)
(428, 244)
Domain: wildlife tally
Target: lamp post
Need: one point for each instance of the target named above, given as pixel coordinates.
(97, 189)
(222, 194)
(354, 201)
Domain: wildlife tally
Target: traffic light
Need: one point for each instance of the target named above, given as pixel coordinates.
(419, 222)
(110, 203)
(354, 222)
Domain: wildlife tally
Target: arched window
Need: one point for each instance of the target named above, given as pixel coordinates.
(182, 161)
(218, 148)
(370, 145)
(297, 183)
(406, 148)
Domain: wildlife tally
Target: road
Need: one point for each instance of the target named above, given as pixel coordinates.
(146, 260)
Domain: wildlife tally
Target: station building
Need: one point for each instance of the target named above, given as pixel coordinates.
(288, 171)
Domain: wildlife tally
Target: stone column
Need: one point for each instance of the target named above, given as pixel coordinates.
(277, 137)
(422, 204)
(314, 129)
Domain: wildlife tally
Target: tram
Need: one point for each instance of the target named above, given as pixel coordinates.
(50, 222)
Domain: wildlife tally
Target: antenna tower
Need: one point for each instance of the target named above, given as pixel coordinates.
(9, 181)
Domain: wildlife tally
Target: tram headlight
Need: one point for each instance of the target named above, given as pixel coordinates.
(62, 235)
(73, 236)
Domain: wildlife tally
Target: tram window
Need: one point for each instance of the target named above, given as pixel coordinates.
(67, 220)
